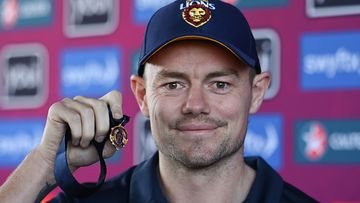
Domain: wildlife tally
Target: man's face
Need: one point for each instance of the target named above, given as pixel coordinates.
(198, 97)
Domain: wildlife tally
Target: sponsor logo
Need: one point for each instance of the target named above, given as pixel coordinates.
(330, 61)
(268, 48)
(315, 141)
(265, 138)
(24, 13)
(24, 76)
(15, 142)
(144, 9)
(10, 13)
(90, 18)
(342, 60)
(256, 3)
(90, 71)
(328, 141)
(320, 8)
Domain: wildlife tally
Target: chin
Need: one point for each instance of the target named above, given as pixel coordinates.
(198, 163)
(199, 153)
(201, 158)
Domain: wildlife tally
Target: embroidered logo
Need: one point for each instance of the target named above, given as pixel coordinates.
(196, 15)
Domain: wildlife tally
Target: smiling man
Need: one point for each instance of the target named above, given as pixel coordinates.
(199, 79)
(200, 95)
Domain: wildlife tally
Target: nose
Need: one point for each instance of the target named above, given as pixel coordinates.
(196, 101)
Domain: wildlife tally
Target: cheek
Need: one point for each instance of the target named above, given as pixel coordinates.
(234, 109)
(162, 110)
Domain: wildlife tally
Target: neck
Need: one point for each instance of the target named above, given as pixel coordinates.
(228, 180)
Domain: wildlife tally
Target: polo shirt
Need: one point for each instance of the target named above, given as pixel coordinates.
(140, 184)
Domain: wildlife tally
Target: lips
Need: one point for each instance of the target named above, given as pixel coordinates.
(197, 127)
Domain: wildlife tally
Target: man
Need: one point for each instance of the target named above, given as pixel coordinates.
(199, 78)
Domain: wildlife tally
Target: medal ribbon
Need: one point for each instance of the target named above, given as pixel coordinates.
(63, 176)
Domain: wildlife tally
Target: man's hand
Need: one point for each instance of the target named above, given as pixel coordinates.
(87, 119)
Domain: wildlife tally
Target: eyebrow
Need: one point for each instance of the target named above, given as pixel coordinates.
(228, 72)
(170, 74)
(175, 74)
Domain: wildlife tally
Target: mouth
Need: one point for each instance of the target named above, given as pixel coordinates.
(196, 127)
(199, 126)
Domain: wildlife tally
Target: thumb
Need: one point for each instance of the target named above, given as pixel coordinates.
(114, 100)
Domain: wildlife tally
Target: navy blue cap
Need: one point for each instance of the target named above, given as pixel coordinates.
(211, 20)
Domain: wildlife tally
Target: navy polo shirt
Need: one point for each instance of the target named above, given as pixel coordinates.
(140, 184)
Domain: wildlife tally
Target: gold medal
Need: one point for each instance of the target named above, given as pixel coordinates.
(118, 136)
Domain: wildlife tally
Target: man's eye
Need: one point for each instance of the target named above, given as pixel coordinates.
(173, 85)
(221, 85)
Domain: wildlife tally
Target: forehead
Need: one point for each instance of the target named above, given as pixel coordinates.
(194, 55)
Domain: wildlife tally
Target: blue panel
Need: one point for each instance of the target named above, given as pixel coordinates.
(90, 71)
(330, 61)
(265, 138)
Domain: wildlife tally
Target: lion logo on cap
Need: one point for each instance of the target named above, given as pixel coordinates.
(196, 15)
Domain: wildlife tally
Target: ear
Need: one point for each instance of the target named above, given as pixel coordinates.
(259, 86)
(139, 90)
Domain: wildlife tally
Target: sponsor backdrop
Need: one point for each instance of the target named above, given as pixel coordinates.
(308, 128)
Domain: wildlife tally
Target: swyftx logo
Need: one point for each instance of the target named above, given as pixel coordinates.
(90, 17)
(24, 76)
(90, 71)
(334, 66)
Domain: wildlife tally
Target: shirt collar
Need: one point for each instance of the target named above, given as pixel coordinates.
(267, 186)
(145, 184)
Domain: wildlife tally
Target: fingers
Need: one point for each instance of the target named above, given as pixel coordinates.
(58, 120)
(101, 116)
(87, 119)
(78, 157)
(114, 100)
(86, 123)
(94, 117)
